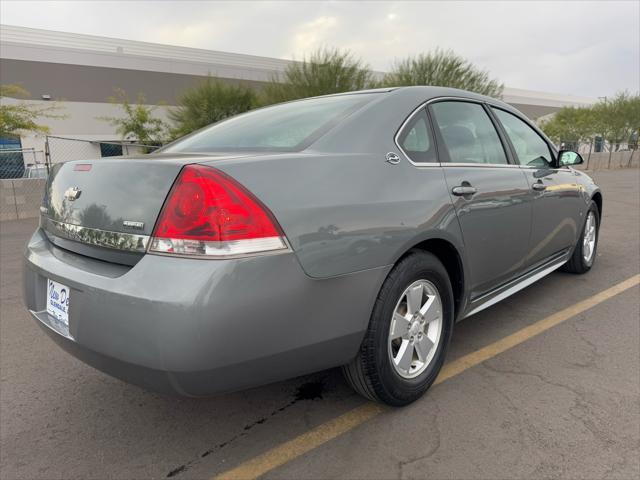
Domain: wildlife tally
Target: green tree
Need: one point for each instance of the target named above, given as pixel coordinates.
(618, 118)
(571, 125)
(22, 116)
(208, 102)
(138, 122)
(615, 120)
(325, 71)
(443, 68)
(632, 113)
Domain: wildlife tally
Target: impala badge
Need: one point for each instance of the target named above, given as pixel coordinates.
(72, 193)
(132, 224)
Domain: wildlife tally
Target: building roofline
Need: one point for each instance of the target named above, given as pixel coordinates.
(39, 45)
(118, 46)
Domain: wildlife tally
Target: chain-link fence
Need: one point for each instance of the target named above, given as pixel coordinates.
(611, 160)
(22, 163)
(601, 155)
(23, 172)
(64, 149)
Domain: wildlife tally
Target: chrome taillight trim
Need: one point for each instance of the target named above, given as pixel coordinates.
(215, 249)
(129, 242)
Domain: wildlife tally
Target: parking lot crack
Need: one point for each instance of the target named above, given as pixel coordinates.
(594, 354)
(516, 416)
(435, 434)
(540, 377)
(307, 391)
(581, 411)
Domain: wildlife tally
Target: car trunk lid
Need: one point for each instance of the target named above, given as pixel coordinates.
(107, 208)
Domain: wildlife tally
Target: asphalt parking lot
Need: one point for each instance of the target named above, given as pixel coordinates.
(563, 403)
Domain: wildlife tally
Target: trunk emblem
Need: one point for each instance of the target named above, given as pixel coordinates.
(132, 224)
(392, 158)
(72, 193)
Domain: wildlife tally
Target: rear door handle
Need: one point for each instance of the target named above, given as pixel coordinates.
(539, 186)
(464, 190)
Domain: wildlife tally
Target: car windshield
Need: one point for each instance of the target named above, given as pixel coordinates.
(286, 127)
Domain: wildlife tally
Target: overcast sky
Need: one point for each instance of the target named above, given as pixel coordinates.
(580, 48)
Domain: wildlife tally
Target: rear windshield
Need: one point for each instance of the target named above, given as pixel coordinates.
(286, 127)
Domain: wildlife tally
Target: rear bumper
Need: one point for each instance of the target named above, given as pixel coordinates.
(198, 327)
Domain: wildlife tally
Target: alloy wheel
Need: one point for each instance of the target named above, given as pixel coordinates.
(589, 237)
(415, 330)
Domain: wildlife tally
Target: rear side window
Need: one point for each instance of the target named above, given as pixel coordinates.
(530, 147)
(468, 133)
(286, 127)
(415, 139)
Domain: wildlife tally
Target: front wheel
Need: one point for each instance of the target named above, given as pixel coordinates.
(584, 253)
(409, 331)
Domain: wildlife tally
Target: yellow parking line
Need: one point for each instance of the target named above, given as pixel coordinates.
(461, 364)
(321, 434)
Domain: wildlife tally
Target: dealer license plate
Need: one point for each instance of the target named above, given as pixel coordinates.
(58, 301)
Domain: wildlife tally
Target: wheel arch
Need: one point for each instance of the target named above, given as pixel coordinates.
(450, 257)
(597, 198)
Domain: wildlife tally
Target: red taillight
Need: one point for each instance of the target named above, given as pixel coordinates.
(209, 213)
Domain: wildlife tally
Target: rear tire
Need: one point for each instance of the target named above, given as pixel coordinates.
(584, 253)
(408, 335)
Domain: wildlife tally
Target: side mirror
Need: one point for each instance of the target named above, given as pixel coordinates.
(568, 157)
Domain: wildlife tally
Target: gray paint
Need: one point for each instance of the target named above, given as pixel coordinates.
(348, 215)
(188, 317)
(496, 223)
(558, 211)
(111, 192)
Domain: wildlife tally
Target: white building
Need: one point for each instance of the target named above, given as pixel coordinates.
(80, 72)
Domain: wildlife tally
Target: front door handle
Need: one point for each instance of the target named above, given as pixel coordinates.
(539, 186)
(464, 190)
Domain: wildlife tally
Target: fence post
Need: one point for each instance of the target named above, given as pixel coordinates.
(47, 154)
(589, 157)
(15, 199)
(610, 153)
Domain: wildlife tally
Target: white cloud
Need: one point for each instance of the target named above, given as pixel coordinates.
(190, 34)
(584, 48)
(314, 34)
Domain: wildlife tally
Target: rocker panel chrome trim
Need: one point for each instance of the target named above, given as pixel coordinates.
(512, 288)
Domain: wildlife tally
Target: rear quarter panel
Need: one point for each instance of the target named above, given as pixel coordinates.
(344, 213)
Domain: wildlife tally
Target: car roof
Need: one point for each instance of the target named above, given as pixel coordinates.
(424, 93)
(369, 127)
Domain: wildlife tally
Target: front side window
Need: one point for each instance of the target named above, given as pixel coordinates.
(468, 133)
(530, 148)
(286, 127)
(415, 139)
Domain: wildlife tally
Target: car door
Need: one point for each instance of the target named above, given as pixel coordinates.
(557, 206)
(491, 196)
